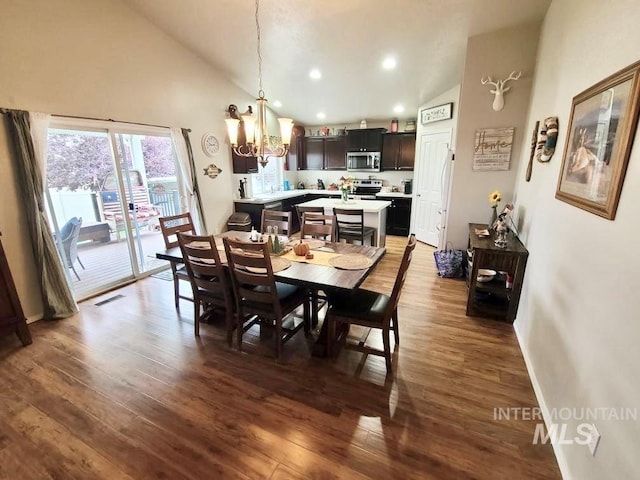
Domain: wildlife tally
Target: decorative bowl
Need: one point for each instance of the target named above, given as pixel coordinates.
(485, 275)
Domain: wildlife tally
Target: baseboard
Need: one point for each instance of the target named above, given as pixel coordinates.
(562, 461)
(34, 318)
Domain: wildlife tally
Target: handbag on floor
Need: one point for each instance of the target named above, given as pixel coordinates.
(449, 262)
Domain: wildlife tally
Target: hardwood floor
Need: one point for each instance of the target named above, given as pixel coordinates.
(124, 390)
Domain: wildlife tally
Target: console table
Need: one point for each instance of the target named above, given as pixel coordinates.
(12, 319)
(495, 298)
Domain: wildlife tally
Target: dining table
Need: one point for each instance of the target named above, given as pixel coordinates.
(316, 274)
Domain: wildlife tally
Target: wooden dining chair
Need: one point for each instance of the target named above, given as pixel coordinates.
(275, 218)
(302, 209)
(371, 310)
(318, 226)
(350, 226)
(210, 281)
(259, 298)
(170, 227)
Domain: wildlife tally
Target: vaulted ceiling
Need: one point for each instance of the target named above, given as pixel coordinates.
(347, 40)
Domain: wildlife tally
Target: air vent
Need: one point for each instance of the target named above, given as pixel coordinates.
(107, 300)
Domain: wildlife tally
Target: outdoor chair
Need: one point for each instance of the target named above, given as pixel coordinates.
(69, 235)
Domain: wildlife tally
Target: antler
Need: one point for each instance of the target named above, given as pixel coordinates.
(488, 80)
(513, 76)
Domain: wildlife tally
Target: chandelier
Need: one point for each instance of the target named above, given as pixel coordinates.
(258, 142)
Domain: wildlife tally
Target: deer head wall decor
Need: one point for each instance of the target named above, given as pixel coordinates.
(500, 89)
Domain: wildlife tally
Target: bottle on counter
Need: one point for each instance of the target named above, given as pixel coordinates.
(253, 235)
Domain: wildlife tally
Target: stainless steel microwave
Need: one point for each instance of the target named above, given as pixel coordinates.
(363, 161)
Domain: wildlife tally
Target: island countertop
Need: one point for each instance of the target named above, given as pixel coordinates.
(367, 206)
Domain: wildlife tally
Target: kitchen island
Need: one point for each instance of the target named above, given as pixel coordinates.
(375, 213)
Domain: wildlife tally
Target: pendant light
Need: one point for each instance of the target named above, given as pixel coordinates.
(258, 143)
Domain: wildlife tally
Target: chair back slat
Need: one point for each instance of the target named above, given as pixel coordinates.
(302, 209)
(318, 226)
(275, 218)
(174, 224)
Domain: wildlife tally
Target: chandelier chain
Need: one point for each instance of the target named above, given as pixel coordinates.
(261, 91)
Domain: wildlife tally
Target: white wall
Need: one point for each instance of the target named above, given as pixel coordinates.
(494, 54)
(578, 316)
(102, 59)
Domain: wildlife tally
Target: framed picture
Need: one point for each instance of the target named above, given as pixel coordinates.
(492, 149)
(601, 129)
(435, 114)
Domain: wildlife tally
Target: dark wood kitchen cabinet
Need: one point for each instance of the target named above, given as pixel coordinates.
(12, 319)
(398, 216)
(243, 164)
(365, 140)
(296, 148)
(398, 151)
(324, 153)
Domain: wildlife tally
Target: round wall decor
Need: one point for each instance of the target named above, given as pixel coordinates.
(210, 144)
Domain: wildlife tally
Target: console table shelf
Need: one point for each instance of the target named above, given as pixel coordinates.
(493, 299)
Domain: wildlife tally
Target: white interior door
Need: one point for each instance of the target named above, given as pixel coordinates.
(429, 181)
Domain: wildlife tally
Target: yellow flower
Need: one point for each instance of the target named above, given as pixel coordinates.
(494, 198)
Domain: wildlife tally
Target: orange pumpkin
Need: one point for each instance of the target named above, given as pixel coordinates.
(301, 249)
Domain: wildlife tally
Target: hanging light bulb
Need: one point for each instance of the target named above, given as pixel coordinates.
(257, 141)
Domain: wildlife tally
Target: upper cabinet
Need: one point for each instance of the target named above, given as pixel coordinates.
(243, 164)
(324, 153)
(296, 148)
(398, 151)
(365, 140)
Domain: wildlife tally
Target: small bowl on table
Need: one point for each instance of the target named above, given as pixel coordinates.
(485, 275)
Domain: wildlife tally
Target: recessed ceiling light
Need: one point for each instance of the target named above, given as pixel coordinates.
(321, 116)
(315, 74)
(277, 103)
(389, 63)
(398, 109)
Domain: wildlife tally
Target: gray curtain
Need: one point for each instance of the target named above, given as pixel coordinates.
(56, 296)
(194, 179)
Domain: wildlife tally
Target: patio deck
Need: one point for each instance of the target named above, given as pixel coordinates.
(108, 264)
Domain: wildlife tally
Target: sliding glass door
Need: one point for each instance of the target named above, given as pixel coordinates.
(106, 191)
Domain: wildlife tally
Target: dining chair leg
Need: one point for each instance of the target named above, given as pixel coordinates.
(306, 313)
(196, 316)
(387, 349)
(176, 286)
(278, 339)
(240, 328)
(80, 262)
(74, 271)
(396, 331)
(229, 320)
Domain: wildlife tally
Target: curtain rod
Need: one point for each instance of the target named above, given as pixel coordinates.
(4, 110)
(112, 120)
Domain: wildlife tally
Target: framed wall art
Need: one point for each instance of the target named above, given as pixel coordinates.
(492, 149)
(435, 114)
(601, 129)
